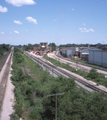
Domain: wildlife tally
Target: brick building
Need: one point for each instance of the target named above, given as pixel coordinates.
(42, 49)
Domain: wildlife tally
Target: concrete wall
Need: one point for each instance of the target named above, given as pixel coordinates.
(98, 57)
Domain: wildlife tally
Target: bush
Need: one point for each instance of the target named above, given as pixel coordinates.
(18, 109)
(93, 74)
(14, 117)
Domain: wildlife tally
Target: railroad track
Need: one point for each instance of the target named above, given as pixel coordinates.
(45, 64)
(81, 66)
(60, 71)
(76, 62)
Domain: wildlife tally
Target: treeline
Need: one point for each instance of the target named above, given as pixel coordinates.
(76, 45)
(32, 102)
(4, 48)
(79, 45)
(30, 46)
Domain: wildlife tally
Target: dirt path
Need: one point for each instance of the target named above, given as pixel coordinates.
(7, 108)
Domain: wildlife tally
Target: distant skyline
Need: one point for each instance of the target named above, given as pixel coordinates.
(60, 21)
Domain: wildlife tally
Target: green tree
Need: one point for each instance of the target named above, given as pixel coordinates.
(53, 45)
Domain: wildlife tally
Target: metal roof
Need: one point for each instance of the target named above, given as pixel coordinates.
(99, 50)
(86, 49)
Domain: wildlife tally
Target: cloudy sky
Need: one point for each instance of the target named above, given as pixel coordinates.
(59, 21)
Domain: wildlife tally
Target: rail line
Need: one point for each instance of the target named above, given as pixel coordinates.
(66, 73)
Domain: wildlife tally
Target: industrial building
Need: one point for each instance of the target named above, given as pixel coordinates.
(98, 57)
(42, 49)
(81, 52)
(84, 52)
(68, 52)
(75, 51)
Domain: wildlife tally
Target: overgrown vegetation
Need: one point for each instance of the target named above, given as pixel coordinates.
(92, 75)
(32, 102)
(4, 48)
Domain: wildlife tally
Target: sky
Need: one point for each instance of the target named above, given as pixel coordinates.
(59, 21)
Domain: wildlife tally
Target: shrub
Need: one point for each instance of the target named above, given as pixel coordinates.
(93, 74)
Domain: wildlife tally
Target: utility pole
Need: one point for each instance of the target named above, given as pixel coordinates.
(55, 102)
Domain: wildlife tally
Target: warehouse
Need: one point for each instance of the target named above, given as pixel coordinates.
(98, 57)
(84, 53)
(68, 52)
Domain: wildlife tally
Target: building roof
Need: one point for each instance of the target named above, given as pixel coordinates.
(99, 50)
(86, 49)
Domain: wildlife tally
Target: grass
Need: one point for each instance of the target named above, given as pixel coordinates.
(25, 85)
(35, 70)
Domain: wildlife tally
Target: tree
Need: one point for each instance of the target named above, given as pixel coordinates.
(53, 45)
(30, 46)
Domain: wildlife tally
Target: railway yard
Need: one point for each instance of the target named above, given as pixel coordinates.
(53, 60)
(88, 85)
(76, 65)
(54, 70)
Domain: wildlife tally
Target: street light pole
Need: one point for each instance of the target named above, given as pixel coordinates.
(55, 102)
